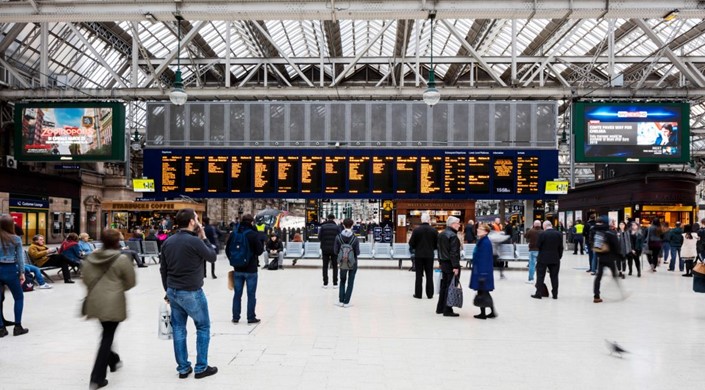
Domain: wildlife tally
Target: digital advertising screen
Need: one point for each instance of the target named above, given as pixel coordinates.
(52, 131)
(364, 173)
(631, 132)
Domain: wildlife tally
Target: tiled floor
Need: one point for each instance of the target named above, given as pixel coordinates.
(387, 340)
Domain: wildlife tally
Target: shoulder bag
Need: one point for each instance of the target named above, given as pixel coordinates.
(455, 294)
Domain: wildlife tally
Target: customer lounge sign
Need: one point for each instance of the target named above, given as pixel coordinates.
(29, 203)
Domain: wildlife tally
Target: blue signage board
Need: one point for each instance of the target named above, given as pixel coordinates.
(29, 203)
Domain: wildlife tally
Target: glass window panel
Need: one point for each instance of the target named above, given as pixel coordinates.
(358, 128)
(460, 123)
(277, 121)
(501, 122)
(198, 124)
(379, 122)
(439, 135)
(155, 124)
(257, 112)
(337, 122)
(523, 124)
(481, 124)
(217, 123)
(177, 124)
(546, 124)
(297, 116)
(237, 122)
(419, 123)
(399, 122)
(318, 122)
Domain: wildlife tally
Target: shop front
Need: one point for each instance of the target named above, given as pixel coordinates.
(408, 214)
(129, 215)
(31, 216)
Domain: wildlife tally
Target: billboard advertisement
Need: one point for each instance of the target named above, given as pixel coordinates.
(619, 132)
(89, 131)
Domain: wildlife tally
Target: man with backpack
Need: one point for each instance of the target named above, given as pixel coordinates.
(243, 250)
(327, 234)
(346, 248)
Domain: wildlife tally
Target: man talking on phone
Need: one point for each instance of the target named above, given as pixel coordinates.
(182, 260)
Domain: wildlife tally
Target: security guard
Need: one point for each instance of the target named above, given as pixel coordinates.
(578, 237)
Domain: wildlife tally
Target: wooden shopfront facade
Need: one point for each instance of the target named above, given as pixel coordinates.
(126, 215)
(408, 214)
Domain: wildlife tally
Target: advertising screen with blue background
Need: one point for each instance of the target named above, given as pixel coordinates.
(631, 132)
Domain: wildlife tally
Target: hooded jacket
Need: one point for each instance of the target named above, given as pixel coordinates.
(111, 274)
(347, 237)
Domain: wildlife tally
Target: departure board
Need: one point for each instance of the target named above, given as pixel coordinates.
(172, 169)
(194, 176)
(479, 173)
(240, 174)
(311, 173)
(382, 174)
(358, 174)
(335, 174)
(288, 174)
(264, 174)
(217, 174)
(431, 175)
(455, 173)
(504, 171)
(340, 173)
(407, 174)
(527, 174)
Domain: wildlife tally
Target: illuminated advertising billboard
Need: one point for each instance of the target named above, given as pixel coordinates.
(86, 131)
(631, 132)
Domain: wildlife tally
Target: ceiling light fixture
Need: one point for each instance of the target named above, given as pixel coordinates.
(177, 95)
(431, 96)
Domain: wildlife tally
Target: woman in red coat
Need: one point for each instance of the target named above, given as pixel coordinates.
(482, 277)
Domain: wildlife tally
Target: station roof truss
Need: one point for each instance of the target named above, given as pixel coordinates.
(355, 50)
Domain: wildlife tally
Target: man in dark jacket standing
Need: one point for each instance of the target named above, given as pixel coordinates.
(470, 233)
(424, 240)
(589, 233)
(247, 274)
(550, 247)
(605, 232)
(449, 259)
(182, 257)
(676, 241)
(327, 233)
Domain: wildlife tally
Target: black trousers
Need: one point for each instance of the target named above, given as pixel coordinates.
(59, 260)
(205, 269)
(424, 266)
(135, 256)
(446, 279)
(105, 356)
(600, 270)
(330, 259)
(634, 258)
(553, 270)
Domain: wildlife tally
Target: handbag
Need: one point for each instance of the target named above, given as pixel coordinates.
(483, 297)
(455, 294)
(84, 303)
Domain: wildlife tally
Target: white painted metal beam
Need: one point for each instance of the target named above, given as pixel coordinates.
(184, 42)
(108, 11)
(96, 55)
(473, 53)
(20, 78)
(359, 55)
(283, 54)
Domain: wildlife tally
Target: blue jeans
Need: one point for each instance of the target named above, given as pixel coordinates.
(672, 266)
(192, 304)
(593, 262)
(36, 272)
(240, 279)
(533, 255)
(345, 291)
(665, 250)
(10, 278)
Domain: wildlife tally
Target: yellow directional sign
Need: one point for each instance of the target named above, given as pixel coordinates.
(143, 185)
(556, 187)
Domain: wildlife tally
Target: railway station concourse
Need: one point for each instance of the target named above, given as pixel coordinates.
(116, 114)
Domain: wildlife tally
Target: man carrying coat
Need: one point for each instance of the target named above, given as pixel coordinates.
(550, 247)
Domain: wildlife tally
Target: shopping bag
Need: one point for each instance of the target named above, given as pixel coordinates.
(437, 281)
(231, 280)
(165, 331)
(455, 294)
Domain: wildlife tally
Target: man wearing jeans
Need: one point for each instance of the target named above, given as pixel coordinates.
(182, 260)
(532, 237)
(247, 274)
(347, 271)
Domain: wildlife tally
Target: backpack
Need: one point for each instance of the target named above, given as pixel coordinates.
(273, 265)
(600, 245)
(346, 254)
(239, 252)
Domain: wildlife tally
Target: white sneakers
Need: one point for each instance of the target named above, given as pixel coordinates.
(45, 286)
(340, 304)
(346, 305)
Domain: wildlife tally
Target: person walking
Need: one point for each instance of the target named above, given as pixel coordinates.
(212, 235)
(327, 233)
(347, 249)
(653, 241)
(107, 274)
(636, 241)
(470, 233)
(449, 260)
(625, 248)
(550, 246)
(605, 235)
(675, 241)
(578, 238)
(182, 259)
(689, 250)
(482, 276)
(588, 232)
(424, 241)
(532, 237)
(12, 271)
(247, 273)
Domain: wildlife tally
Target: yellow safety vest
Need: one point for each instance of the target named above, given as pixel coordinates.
(260, 227)
(579, 228)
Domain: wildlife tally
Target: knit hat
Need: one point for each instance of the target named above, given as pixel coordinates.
(452, 220)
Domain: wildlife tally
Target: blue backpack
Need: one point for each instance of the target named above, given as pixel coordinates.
(239, 252)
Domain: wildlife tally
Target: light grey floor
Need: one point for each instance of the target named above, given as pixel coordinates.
(387, 340)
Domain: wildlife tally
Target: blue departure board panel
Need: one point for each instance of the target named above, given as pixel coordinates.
(352, 173)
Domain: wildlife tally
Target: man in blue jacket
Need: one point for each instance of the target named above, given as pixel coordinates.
(247, 274)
